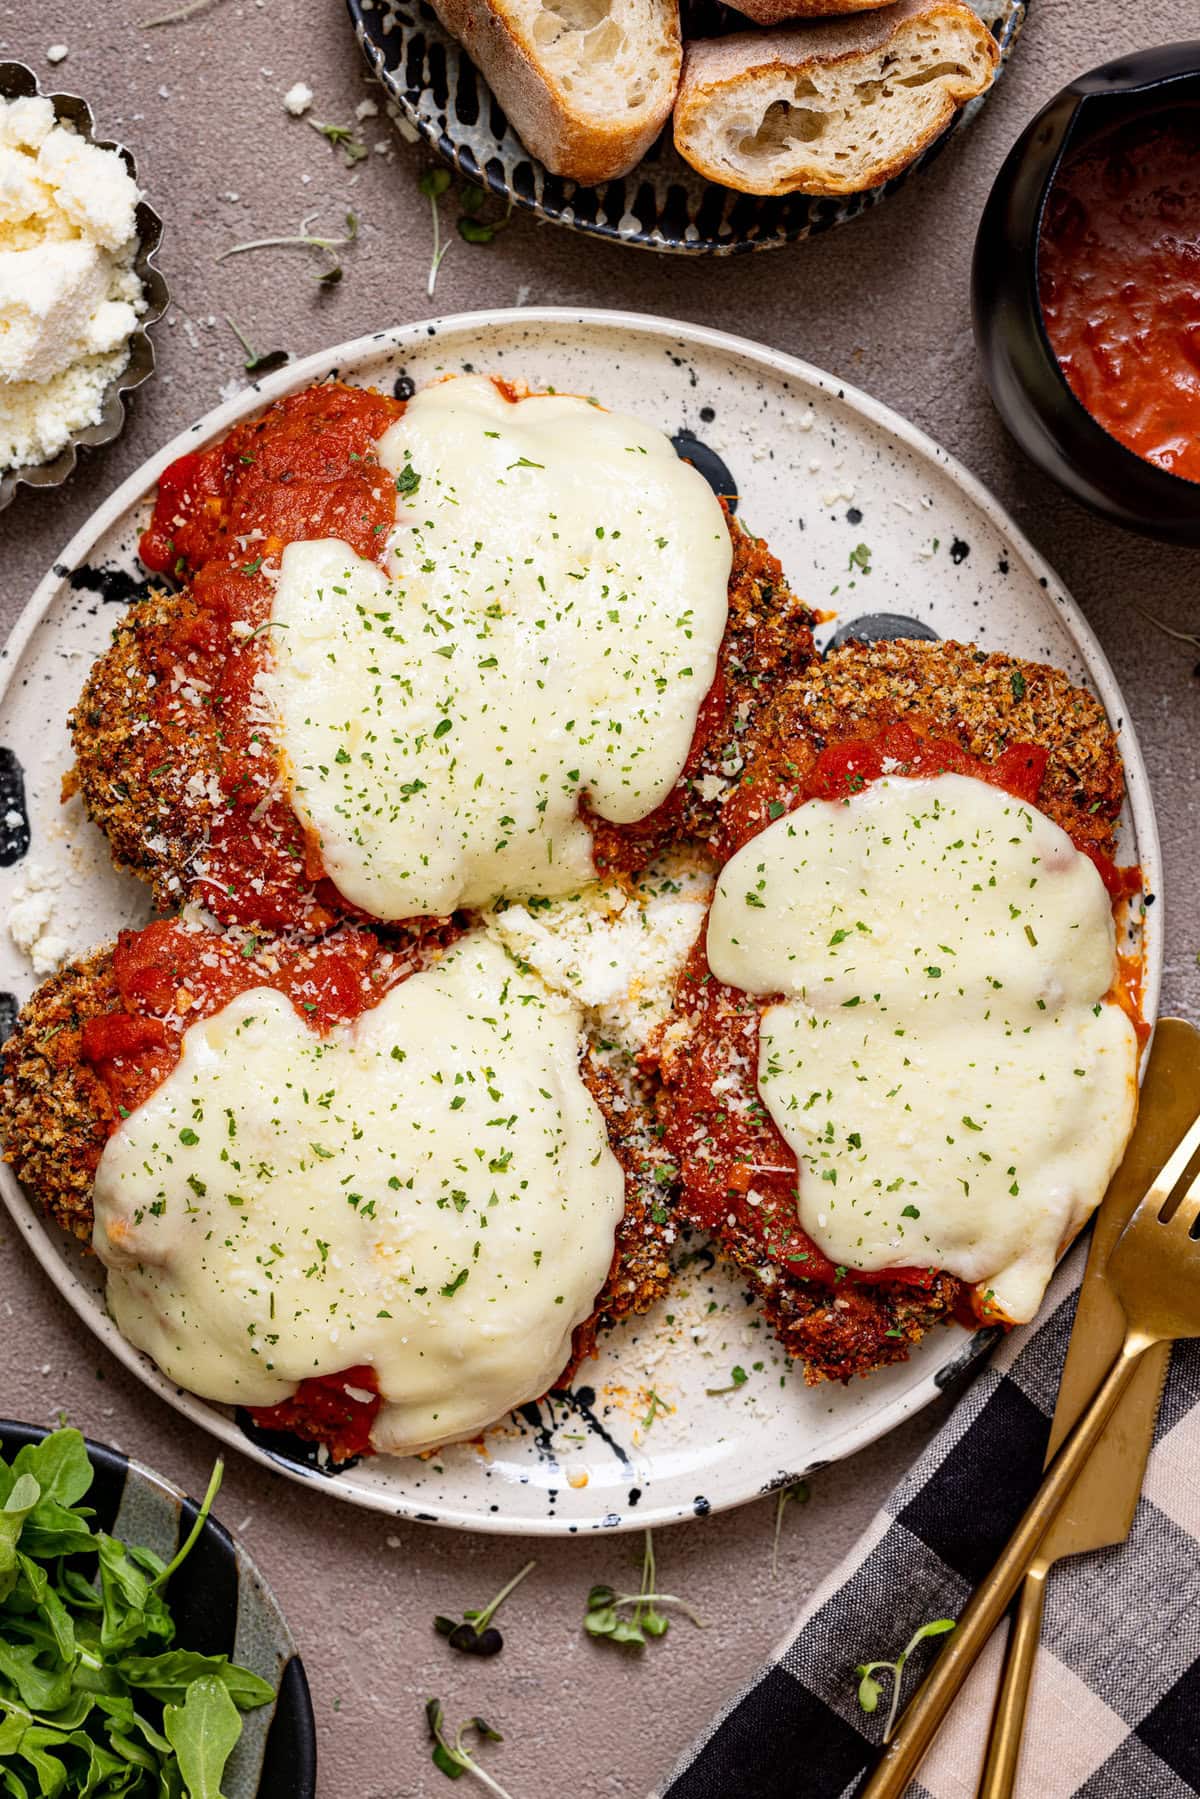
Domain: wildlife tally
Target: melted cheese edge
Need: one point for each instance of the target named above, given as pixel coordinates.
(558, 594)
(429, 1190)
(944, 1063)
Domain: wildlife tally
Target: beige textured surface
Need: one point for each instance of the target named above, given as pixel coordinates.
(883, 303)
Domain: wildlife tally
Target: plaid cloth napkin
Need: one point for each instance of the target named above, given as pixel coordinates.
(1115, 1707)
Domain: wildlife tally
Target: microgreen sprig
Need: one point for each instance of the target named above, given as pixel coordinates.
(343, 138)
(304, 239)
(605, 1605)
(799, 1491)
(433, 185)
(476, 1635)
(471, 228)
(258, 362)
(452, 1758)
(868, 1686)
(179, 15)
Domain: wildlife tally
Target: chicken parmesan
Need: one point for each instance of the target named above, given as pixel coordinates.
(428, 654)
(376, 1192)
(903, 1061)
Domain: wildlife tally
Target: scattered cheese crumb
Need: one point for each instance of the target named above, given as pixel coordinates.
(57, 53)
(366, 109)
(30, 918)
(298, 99)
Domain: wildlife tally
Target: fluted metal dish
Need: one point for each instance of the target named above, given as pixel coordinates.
(18, 82)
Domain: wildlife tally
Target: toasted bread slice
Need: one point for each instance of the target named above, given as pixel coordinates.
(831, 107)
(780, 12)
(587, 84)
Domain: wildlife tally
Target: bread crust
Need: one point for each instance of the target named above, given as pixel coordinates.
(781, 12)
(716, 68)
(583, 150)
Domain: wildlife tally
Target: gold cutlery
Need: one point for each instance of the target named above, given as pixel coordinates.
(1099, 1512)
(1154, 1272)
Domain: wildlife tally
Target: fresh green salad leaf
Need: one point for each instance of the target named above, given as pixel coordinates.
(202, 1731)
(95, 1700)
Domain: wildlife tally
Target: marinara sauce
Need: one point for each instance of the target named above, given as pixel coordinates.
(306, 469)
(1119, 284)
(718, 1130)
(166, 978)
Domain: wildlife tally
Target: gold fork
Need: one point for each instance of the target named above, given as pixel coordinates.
(1154, 1270)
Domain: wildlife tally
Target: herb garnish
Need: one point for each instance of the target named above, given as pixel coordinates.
(868, 1686)
(471, 228)
(604, 1606)
(477, 1635)
(452, 1758)
(799, 1491)
(737, 1378)
(433, 184)
(258, 362)
(178, 16)
(331, 271)
(343, 138)
(92, 1695)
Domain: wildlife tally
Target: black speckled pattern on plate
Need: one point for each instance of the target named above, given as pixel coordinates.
(662, 204)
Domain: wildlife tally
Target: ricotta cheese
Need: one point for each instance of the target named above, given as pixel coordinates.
(428, 1190)
(617, 951)
(945, 1063)
(69, 296)
(546, 633)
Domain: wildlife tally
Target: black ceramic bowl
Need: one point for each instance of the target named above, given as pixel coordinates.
(1030, 391)
(221, 1606)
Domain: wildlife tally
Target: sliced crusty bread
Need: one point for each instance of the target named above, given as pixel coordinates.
(778, 12)
(586, 84)
(832, 107)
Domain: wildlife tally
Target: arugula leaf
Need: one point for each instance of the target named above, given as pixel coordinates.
(59, 1464)
(168, 1677)
(77, 1658)
(202, 1731)
(23, 1497)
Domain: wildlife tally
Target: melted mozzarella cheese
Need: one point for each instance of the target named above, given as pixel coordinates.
(944, 1063)
(557, 597)
(428, 1190)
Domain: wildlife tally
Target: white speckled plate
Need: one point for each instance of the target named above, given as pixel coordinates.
(819, 469)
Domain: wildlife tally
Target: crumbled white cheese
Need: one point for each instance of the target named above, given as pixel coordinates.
(57, 53)
(298, 99)
(69, 297)
(31, 918)
(618, 954)
(366, 109)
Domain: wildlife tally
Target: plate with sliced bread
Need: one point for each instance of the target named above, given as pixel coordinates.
(700, 131)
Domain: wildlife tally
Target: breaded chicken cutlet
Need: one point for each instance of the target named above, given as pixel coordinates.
(173, 747)
(97, 1037)
(1037, 734)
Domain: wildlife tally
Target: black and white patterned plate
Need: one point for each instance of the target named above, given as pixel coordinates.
(663, 204)
(221, 1606)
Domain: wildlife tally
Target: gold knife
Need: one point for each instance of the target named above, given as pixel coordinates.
(1100, 1509)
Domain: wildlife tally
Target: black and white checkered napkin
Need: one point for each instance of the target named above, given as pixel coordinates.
(1115, 1708)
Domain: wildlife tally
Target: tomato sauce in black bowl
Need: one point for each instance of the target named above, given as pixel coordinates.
(1086, 291)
